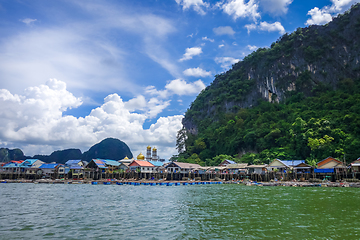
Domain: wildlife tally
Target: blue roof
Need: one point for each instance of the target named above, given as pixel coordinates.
(111, 162)
(291, 162)
(49, 165)
(156, 163)
(72, 162)
(99, 163)
(28, 162)
(11, 165)
(230, 161)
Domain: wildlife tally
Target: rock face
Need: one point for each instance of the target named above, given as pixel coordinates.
(109, 148)
(11, 154)
(308, 59)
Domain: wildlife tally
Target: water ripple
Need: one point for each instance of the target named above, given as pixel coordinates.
(38, 211)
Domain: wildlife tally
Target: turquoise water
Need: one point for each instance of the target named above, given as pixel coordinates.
(39, 211)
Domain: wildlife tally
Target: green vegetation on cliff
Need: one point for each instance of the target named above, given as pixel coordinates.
(298, 99)
(327, 124)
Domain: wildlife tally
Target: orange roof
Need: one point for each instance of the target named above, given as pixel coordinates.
(326, 160)
(141, 163)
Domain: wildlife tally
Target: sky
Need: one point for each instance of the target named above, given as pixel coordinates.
(73, 73)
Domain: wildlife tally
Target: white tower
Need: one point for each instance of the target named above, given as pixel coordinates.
(154, 154)
(148, 153)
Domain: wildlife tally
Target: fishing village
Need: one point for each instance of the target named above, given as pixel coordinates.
(151, 170)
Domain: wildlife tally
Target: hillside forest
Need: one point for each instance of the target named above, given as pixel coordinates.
(315, 118)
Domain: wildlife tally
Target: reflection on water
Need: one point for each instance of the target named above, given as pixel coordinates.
(39, 211)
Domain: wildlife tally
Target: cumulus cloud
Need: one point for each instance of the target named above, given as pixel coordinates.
(190, 53)
(197, 5)
(197, 72)
(226, 62)
(276, 7)
(265, 26)
(226, 30)
(181, 87)
(272, 27)
(35, 121)
(28, 21)
(325, 14)
(241, 9)
(318, 16)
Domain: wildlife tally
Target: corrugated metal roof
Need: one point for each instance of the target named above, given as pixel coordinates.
(49, 165)
(256, 166)
(185, 165)
(141, 163)
(11, 165)
(291, 163)
(236, 166)
(73, 162)
(156, 163)
(111, 162)
(99, 163)
(29, 162)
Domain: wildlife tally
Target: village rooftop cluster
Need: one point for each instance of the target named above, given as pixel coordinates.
(152, 164)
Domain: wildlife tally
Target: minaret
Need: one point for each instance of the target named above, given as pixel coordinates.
(154, 154)
(148, 153)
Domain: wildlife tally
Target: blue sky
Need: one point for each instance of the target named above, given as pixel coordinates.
(75, 72)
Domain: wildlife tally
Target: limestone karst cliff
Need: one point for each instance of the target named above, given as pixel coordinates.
(303, 61)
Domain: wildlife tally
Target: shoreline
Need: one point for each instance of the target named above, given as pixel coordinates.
(188, 182)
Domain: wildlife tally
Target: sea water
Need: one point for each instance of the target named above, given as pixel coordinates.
(83, 211)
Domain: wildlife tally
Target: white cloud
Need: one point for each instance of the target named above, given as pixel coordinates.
(197, 5)
(276, 7)
(181, 87)
(250, 27)
(197, 72)
(272, 27)
(221, 45)
(137, 103)
(240, 9)
(82, 54)
(339, 6)
(28, 21)
(325, 14)
(208, 39)
(252, 48)
(34, 121)
(318, 16)
(190, 53)
(176, 87)
(226, 62)
(227, 30)
(265, 26)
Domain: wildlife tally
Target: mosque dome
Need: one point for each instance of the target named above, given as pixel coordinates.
(140, 157)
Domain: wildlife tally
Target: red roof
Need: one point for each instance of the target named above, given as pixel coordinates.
(326, 160)
(141, 163)
(12, 161)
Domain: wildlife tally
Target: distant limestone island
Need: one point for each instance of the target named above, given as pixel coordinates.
(109, 148)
